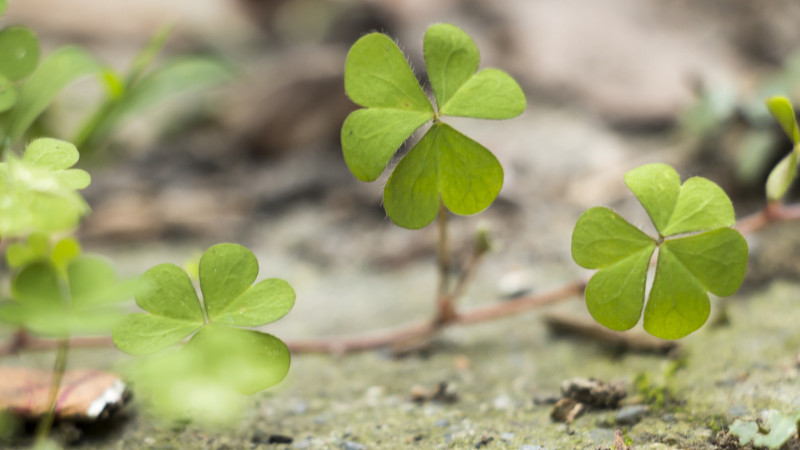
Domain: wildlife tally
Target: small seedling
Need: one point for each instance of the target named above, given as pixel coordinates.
(785, 172)
(219, 353)
(698, 251)
(774, 434)
(445, 167)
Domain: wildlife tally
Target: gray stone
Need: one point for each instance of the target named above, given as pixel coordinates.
(630, 415)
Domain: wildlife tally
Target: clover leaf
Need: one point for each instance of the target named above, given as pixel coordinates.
(78, 300)
(781, 177)
(37, 192)
(444, 164)
(230, 299)
(19, 52)
(698, 252)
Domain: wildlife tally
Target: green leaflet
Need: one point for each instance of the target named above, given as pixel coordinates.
(227, 273)
(444, 167)
(444, 164)
(3, 6)
(38, 190)
(782, 110)
(688, 265)
(19, 52)
(88, 305)
(64, 66)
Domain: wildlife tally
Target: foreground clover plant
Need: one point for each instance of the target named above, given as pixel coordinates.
(445, 166)
(221, 357)
(698, 252)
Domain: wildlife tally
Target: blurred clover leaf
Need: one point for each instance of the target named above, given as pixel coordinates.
(698, 252)
(80, 297)
(38, 248)
(252, 360)
(444, 164)
(19, 52)
(779, 428)
(785, 171)
(38, 191)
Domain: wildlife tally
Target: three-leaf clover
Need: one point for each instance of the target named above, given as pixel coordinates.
(251, 361)
(38, 191)
(784, 172)
(445, 166)
(698, 252)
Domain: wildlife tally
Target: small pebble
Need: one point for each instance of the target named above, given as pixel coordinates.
(305, 443)
(532, 447)
(503, 402)
(507, 436)
(442, 423)
(630, 415)
(350, 445)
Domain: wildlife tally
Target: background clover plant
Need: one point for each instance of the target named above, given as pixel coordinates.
(785, 171)
(220, 352)
(698, 252)
(445, 167)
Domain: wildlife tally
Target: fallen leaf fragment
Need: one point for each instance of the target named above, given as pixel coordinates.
(84, 395)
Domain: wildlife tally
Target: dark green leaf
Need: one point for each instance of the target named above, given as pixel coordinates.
(615, 294)
(19, 52)
(445, 164)
(678, 303)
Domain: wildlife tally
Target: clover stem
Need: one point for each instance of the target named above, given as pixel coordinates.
(43, 430)
(444, 302)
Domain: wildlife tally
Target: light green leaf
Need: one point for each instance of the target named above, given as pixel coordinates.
(59, 70)
(19, 52)
(227, 272)
(370, 137)
(178, 77)
(490, 94)
(35, 248)
(147, 54)
(781, 177)
(657, 187)
(165, 290)
(3, 6)
(615, 294)
(8, 95)
(781, 109)
(702, 205)
(698, 205)
(42, 306)
(246, 360)
(716, 258)
(376, 74)
(64, 252)
(678, 303)
(142, 334)
(602, 238)
(49, 153)
(451, 58)
(445, 164)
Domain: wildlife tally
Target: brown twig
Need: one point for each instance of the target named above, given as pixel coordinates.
(773, 212)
